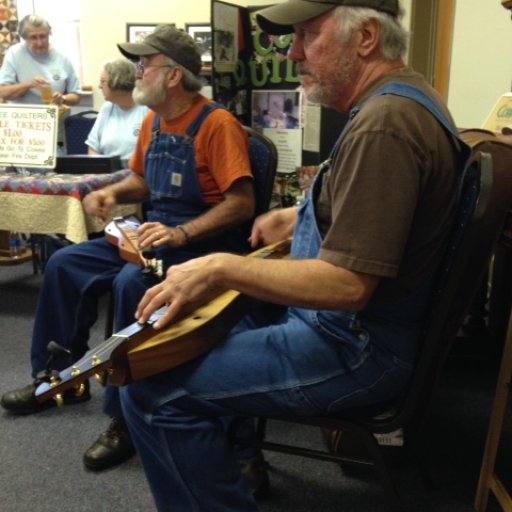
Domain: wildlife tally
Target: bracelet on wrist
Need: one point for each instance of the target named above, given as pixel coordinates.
(186, 234)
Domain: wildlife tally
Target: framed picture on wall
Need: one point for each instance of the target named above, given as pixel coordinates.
(202, 35)
(136, 32)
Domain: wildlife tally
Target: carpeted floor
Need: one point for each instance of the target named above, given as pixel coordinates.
(41, 455)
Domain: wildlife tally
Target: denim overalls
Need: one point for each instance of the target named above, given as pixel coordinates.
(398, 324)
(78, 275)
(176, 198)
(306, 363)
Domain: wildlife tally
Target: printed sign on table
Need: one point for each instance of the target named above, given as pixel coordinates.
(501, 114)
(28, 135)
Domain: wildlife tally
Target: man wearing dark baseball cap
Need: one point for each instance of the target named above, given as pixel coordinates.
(172, 42)
(280, 18)
(367, 244)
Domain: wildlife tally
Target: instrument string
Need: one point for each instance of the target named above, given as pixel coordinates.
(102, 353)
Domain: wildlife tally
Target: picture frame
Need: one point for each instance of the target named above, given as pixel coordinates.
(202, 35)
(136, 32)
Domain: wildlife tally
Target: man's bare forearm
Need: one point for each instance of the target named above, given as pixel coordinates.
(237, 207)
(14, 91)
(132, 189)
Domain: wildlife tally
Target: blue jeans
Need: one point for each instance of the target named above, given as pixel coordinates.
(75, 278)
(289, 368)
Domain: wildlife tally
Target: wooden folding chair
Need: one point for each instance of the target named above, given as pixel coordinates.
(489, 480)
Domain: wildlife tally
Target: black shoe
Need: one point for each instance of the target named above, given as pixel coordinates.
(113, 447)
(23, 400)
(255, 473)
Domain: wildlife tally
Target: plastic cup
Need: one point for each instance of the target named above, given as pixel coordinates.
(46, 93)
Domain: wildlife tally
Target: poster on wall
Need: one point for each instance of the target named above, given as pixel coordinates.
(246, 59)
(257, 81)
(276, 113)
(228, 63)
(269, 65)
(201, 33)
(312, 116)
(136, 32)
(276, 109)
(225, 37)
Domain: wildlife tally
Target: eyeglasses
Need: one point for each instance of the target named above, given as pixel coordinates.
(142, 67)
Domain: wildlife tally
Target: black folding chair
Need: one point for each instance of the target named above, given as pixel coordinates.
(263, 159)
(485, 199)
(76, 129)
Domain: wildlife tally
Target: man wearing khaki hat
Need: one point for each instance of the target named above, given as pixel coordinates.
(366, 244)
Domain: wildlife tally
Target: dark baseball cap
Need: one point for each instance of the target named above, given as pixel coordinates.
(280, 18)
(170, 41)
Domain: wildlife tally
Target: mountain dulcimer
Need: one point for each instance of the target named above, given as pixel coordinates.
(139, 351)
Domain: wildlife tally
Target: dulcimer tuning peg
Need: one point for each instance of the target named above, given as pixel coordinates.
(58, 350)
(101, 378)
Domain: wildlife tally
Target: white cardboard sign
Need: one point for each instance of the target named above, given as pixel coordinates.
(28, 135)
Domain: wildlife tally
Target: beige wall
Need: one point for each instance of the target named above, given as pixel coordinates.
(102, 31)
(481, 58)
(481, 66)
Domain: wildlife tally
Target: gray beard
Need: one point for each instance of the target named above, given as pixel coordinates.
(150, 95)
(328, 93)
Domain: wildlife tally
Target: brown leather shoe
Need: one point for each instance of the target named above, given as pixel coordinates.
(23, 400)
(113, 447)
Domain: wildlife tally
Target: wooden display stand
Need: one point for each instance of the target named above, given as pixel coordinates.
(489, 481)
(5, 255)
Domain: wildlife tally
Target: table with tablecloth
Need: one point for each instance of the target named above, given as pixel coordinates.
(52, 203)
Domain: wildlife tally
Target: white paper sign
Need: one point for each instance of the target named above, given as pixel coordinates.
(288, 144)
(28, 135)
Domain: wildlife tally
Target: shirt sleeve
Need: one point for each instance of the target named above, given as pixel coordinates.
(227, 149)
(93, 139)
(389, 194)
(72, 82)
(8, 74)
(136, 163)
